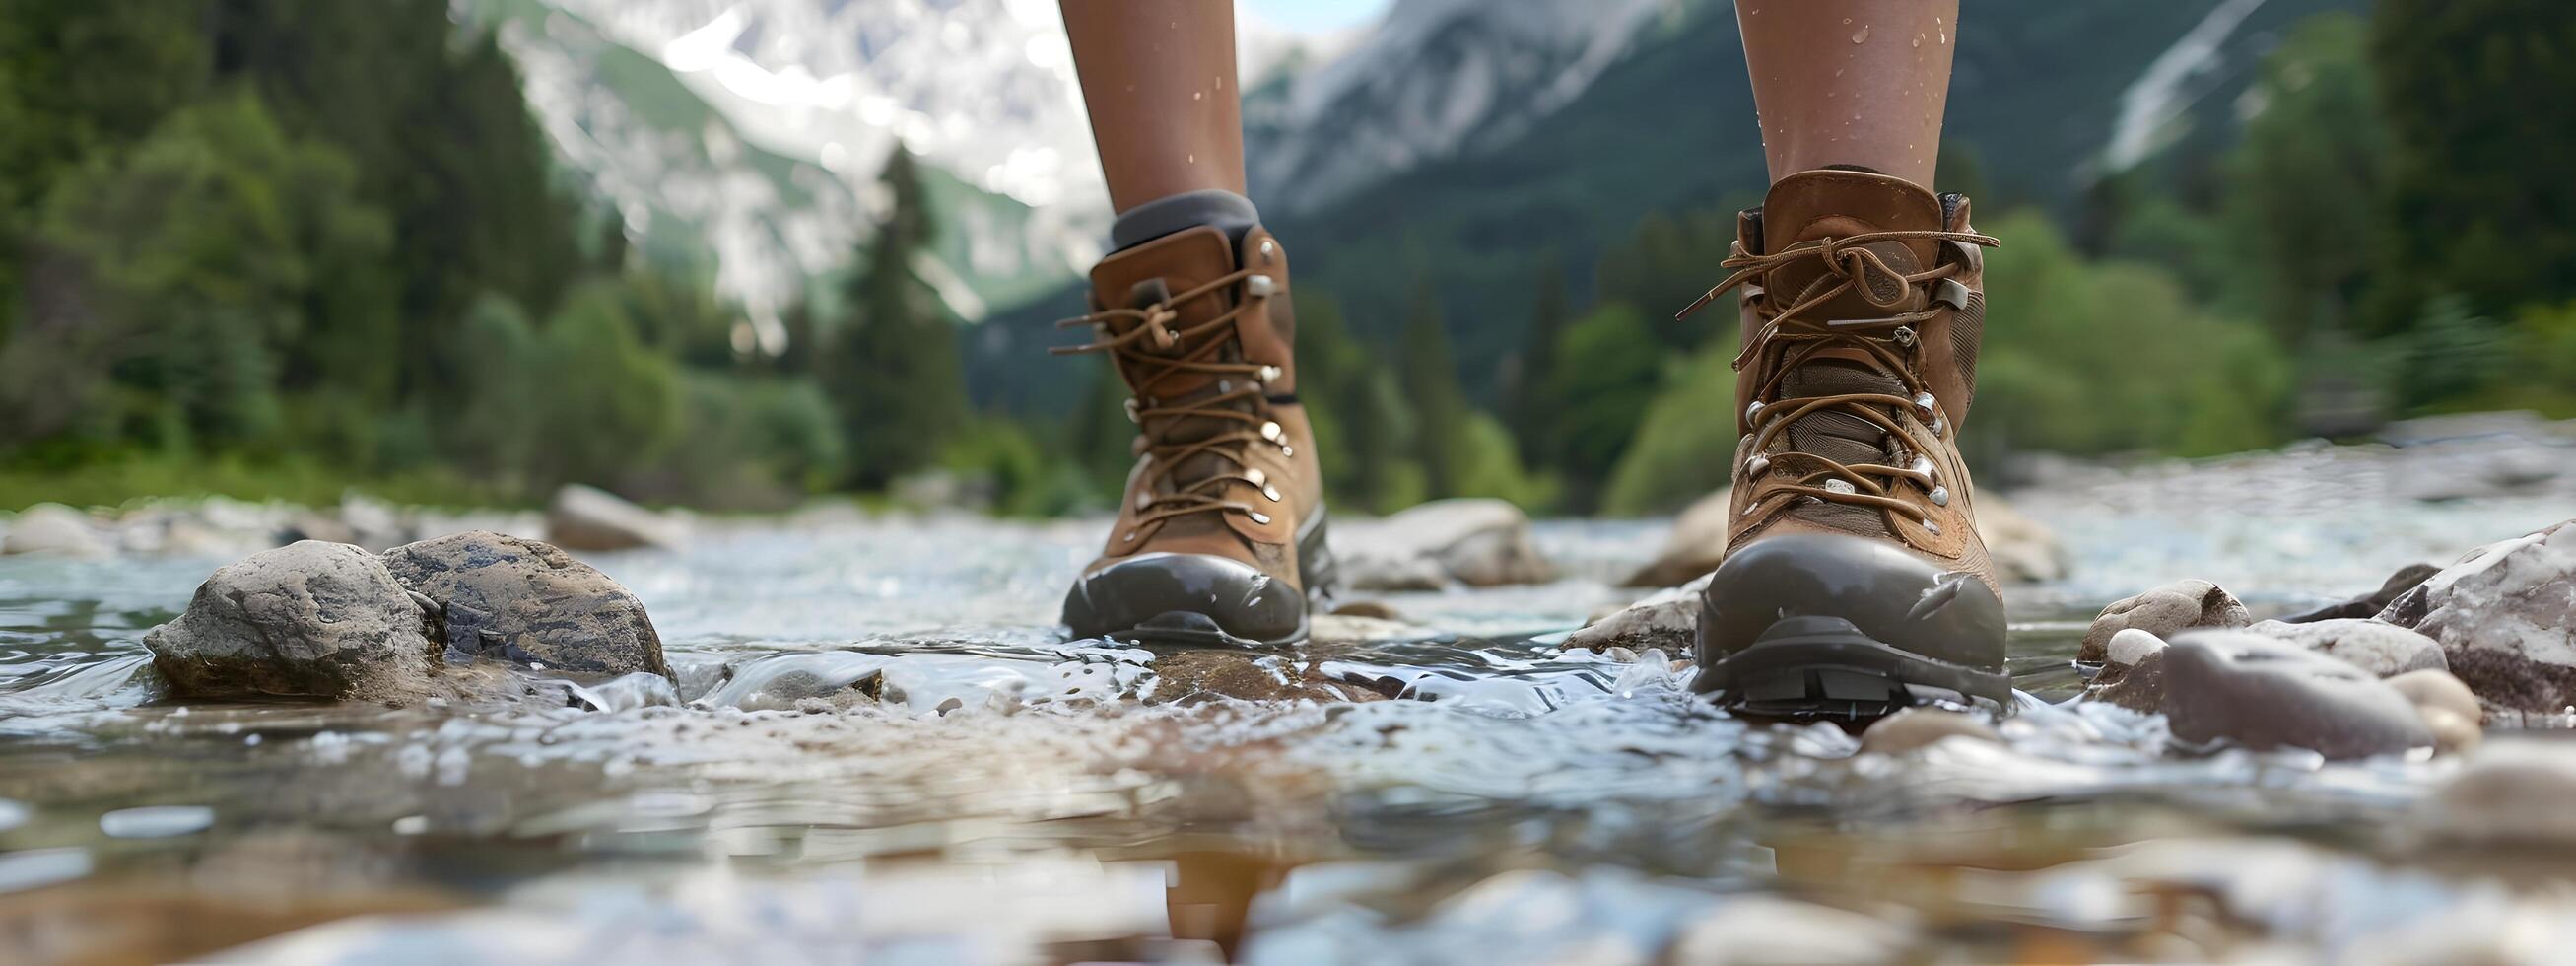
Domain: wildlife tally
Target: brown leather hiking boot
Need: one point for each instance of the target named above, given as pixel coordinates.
(1220, 537)
(1854, 583)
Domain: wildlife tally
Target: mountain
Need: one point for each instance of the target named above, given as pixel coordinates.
(2047, 96)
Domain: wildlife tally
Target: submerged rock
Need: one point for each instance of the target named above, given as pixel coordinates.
(1184, 676)
(520, 600)
(2164, 612)
(2260, 693)
(2380, 648)
(2138, 685)
(2506, 619)
(311, 619)
(1477, 542)
(588, 518)
(1667, 619)
(2370, 604)
(52, 528)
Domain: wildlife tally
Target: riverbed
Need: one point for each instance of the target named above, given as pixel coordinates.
(1002, 794)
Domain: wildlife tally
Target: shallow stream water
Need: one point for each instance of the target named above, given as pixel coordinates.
(1011, 796)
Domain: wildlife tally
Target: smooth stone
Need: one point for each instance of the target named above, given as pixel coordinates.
(2506, 618)
(1915, 728)
(1343, 630)
(2511, 792)
(520, 600)
(1751, 928)
(57, 530)
(2164, 612)
(626, 692)
(2452, 734)
(2438, 689)
(2380, 648)
(2260, 693)
(2370, 604)
(311, 619)
(1474, 541)
(785, 682)
(1374, 609)
(2130, 646)
(588, 518)
(1667, 619)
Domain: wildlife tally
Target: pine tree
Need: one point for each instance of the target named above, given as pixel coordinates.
(1429, 375)
(892, 367)
(1526, 402)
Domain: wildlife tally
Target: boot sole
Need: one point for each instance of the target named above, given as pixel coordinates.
(1317, 572)
(1799, 670)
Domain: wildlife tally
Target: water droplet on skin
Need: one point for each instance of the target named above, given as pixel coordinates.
(1945, 37)
(1846, 19)
(1918, 40)
(1193, 159)
(1862, 35)
(1198, 95)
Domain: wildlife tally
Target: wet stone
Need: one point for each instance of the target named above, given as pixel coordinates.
(2259, 693)
(2138, 686)
(2370, 604)
(2512, 792)
(320, 620)
(1915, 728)
(588, 518)
(1182, 677)
(1477, 542)
(51, 528)
(2164, 612)
(1667, 619)
(784, 682)
(527, 602)
(2506, 619)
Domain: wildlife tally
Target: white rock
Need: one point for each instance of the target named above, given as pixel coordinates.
(1762, 929)
(2506, 619)
(1915, 728)
(2132, 645)
(52, 528)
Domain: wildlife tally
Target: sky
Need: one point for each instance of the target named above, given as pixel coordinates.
(1310, 16)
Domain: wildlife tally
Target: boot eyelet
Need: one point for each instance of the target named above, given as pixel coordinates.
(1131, 536)
(1272, 492)
(1269, 374)
(1940, 496)
(1256, 477)
(1131, 411)
(1756, 465)
(1144, 500)
(1939, 426)
(1933, 528)
(1287, 450)
(1271, 431)
(1928, 407)
(1268, 248)
(1905, 336)
(1259, 286)
(1261, 518)
(1840, 486)
(1922, 465)
(1752, 409)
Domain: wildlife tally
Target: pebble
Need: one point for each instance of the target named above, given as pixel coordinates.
(2259, 693)
(2164, 612)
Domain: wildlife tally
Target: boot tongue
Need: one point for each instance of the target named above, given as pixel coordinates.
(1149, 275)
(1814, 205)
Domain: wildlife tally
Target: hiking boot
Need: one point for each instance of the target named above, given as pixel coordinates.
(1220, 535)
(1854, 583)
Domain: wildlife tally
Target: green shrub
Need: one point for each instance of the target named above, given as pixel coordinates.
(1686, 445)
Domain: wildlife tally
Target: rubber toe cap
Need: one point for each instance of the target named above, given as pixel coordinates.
(1883, 592)
(1185, 598)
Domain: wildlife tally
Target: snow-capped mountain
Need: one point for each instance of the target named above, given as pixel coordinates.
(1436, 79)
(753, 128)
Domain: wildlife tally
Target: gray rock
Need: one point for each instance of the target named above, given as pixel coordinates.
(2370, 604)
(1477, 542)
(588, 518)
(524, 601)
(2260, 693)
(2383, 649)
(2506, 619)
(1667, 619)
(310, 619)
(55, 529)
(784, 682)
(2131, 646)
(2164, 612)
(1193, 676)
(1915, 728)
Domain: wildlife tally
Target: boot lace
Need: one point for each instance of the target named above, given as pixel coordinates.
(1152, 351)
(1889, 345)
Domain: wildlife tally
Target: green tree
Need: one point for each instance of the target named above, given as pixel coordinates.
(1430, 381)
(1608, 368)
(2473, 91)
(892, 367)
(2307, 188)
(1364, 426)
(1527, 407)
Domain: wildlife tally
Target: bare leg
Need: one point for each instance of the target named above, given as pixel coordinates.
(1158, 77)
(1856, 82)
